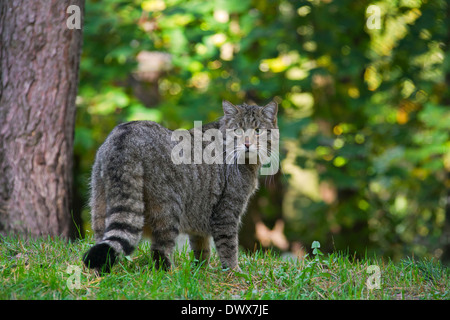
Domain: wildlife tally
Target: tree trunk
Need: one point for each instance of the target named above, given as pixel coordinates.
(39, 63)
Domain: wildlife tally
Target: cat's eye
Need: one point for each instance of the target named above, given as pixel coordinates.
(258, 131)
(239, 131)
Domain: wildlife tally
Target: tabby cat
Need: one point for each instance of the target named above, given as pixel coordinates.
(135, 183)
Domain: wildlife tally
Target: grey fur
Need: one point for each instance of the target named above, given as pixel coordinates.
(135, 183)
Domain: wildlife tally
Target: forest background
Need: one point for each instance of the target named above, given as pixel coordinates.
(363, 108)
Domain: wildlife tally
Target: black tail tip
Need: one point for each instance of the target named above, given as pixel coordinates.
(100, 257)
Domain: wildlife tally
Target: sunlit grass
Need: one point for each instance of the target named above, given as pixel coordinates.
(38, 269)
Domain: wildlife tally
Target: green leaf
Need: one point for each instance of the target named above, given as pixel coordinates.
(139, 112)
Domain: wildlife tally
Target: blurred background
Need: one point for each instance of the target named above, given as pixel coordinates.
(363, 99)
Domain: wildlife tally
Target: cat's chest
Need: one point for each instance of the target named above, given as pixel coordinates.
(253, 186)
(243, 187)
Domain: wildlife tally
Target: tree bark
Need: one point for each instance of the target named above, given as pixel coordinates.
(39, 63)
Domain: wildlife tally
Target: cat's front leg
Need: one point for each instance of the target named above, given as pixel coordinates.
(225, 235)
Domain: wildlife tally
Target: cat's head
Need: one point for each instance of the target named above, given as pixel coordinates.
(253, 127)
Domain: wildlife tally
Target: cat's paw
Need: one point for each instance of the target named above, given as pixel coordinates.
(233, 270)
(162, 262)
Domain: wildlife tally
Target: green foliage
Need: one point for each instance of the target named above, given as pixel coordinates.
(363, 113)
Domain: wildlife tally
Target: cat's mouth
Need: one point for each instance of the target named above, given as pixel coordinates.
(250, 150)
(251, 154)
(248, 153)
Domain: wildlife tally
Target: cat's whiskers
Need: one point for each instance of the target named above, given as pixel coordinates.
(269, 157)
(232, 161)
(219, 155)
(230, 157)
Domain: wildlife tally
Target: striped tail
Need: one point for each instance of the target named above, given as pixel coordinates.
(124, 191)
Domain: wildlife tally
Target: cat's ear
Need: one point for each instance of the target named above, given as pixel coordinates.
(229, 109)
(270, 111)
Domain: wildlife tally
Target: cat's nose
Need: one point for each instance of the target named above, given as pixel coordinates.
(247, 143)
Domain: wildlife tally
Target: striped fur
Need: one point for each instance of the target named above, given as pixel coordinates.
(134, 184)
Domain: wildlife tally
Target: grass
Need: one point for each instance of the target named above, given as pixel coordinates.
(41, 269)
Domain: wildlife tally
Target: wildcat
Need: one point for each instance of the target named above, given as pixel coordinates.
(135, 183)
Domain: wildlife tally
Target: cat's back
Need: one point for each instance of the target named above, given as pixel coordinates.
(132, 137)
(136, 132)
(132, 144)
